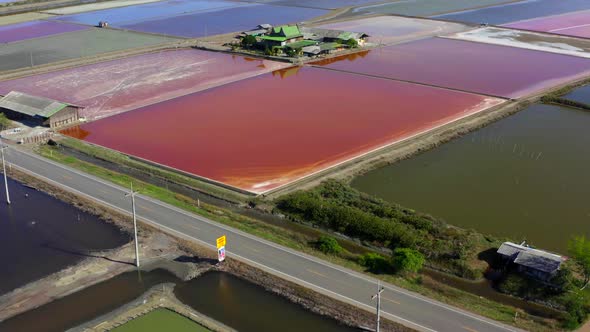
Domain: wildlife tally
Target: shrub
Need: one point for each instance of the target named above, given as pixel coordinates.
(328, 245)
(407, 260)
(375, 262)
(248, 41)
(4, 122)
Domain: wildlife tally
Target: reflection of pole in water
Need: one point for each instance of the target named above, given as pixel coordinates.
(4, 168)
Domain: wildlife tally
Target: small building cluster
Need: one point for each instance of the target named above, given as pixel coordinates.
(36, 111)
(295, 41)
(538, 264)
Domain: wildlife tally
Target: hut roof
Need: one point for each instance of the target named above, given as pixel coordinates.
(530, 257)
(31, 105)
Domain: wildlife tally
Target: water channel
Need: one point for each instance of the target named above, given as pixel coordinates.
(40, 235)
(228, 299)
(525, 177)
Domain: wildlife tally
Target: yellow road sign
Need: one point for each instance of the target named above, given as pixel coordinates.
(221, 242)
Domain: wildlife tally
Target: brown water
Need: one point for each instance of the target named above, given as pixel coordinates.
(248, 307)
(228, 299)
(525, 177)
(86, 304)
(40, 235)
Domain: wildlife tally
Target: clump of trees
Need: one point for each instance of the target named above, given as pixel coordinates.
(248, 41)
(407, 260)
(336, 206)
(4, 122)
(328, 245)
(579, 249)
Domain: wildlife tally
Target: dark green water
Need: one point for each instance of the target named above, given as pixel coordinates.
(248, 307)
(526, 177)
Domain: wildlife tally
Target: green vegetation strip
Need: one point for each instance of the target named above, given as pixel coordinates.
(420, 284)
(161, 320)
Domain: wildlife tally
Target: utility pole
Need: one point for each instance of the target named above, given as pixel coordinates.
(132, 194)
(4, 170)
(378, 297)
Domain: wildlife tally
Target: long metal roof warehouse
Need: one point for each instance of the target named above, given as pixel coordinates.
(48, 112)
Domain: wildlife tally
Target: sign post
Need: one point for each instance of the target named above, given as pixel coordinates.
(221, 248)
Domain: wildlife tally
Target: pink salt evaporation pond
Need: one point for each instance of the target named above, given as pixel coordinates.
(112, 87)
(463, 65)
(35, 29)
(394, 29)
(265, 132)
(575, 24)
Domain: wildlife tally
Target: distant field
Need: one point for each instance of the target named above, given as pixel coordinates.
(35, 29)
(575, 24)
(428, 7)
(71, 45)
(480, 68)
(224, 20)
(523, 10)
(146, 12)
(18, 18)
(161, 320)
(262, 133)
(96, 6)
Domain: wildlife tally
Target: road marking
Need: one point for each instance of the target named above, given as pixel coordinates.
(317, 273)
(246, 235)
(390, 300)
(469, 329)
(193, 226)
(250, 248)
(67, 177)
(145, 208)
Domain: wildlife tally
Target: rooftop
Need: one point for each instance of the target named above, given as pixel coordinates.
(287, 31)
(31, 105)
(530, 257)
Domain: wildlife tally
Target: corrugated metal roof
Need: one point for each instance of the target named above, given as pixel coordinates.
(510, 249)
(539, 260)
(31, 105)
(530, 257)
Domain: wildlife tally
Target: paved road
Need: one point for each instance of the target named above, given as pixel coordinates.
(399, 305)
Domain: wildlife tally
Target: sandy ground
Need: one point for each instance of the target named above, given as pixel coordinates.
(529, 40)
(96, 6)
(386, 30)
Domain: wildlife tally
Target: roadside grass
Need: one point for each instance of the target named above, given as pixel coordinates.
(124, 160)
(422, 284)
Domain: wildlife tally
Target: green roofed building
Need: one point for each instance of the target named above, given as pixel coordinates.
(38, 110)
(282, 35)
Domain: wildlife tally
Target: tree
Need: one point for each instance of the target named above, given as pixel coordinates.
(328, 245)
(375, 262)
(579, 249)
(248, 41)
(4, 122)
(407, 260)
(352, 43)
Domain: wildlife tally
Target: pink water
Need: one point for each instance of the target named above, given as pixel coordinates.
(575, 24)
(262, 133)
(476, 67)
(112, 87)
